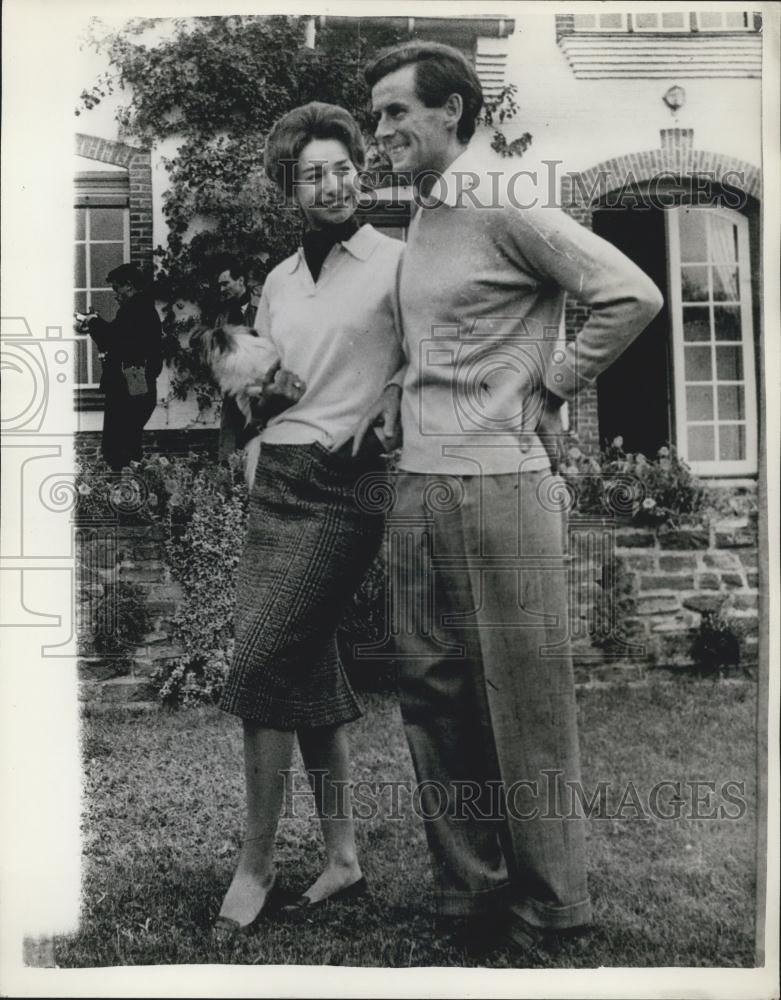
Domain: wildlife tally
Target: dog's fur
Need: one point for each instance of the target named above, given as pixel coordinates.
(237, 360)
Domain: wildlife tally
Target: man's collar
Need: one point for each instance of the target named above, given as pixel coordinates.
(459, 177)
(361, 246)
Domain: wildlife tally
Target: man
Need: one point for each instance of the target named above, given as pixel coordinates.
(130, 347)
(236, 307)
(486, 685)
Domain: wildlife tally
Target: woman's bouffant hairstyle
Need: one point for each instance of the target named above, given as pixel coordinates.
(300, 126)
(440, 70)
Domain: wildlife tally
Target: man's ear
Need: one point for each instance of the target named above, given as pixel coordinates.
(454, 109)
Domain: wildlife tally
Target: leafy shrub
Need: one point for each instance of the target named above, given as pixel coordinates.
(120, 619)
(207, 510)
(715, 648)
(653, 492)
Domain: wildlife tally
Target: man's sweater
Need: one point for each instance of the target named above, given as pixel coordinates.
(482, 292)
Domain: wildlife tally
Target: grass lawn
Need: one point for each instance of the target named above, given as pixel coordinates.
(164, 816)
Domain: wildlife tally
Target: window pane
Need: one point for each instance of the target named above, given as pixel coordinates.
(694, 283)
(726, 320)
(723, 242)
(585, 22)
(613, 21)
(81, 221)
(104, 257)
(675, 19)
(734, 19)
(731, 403)
(646, 20)
(698, 364)
(699, 403)
(696, 323)
(701, 444)
(693, 240)
(732, 442)
(80, 302)
(725, 283)
(79, 267)
(709, 19)
(107, 223)
(104, 303)
(729, 364)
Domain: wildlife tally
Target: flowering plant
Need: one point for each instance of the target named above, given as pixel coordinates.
(657, 491)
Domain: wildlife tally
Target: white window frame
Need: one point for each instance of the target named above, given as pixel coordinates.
(86, 191)
(659, 28)
(716, 467)
(749, 25)
(624, 23)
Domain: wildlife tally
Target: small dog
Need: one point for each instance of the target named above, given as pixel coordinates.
(238, 359)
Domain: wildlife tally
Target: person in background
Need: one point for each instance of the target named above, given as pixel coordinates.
(486, 680)
(130, 348)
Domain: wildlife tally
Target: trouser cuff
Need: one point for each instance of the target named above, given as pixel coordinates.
(554, 917)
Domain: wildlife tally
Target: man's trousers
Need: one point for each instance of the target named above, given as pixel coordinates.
(487, 694)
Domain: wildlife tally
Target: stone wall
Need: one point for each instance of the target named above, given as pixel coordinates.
(644, 594)
(632, 586)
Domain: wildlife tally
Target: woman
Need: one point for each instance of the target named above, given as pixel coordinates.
(327, 314)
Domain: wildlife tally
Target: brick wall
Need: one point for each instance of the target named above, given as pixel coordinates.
(178, 441)
(138, 163)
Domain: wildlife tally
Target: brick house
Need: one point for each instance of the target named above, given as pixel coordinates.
(647, 125)
(646, 128)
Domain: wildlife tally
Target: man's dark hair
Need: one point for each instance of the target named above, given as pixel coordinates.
(126, 274)
(231, 263)
(440, 70)
(299, 127)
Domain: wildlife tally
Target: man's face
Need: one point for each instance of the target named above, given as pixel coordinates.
(229, 287)
(123, 292)
(416, 138)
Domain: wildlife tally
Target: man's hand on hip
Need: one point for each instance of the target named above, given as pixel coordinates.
(550, 429)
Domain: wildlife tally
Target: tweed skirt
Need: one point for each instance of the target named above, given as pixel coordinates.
(308, 545)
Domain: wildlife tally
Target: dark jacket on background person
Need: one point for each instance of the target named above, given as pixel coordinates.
(132, 339)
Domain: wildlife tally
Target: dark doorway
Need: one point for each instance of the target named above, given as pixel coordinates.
(634, 394)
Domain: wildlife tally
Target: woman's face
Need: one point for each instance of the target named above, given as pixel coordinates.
(326, 183)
